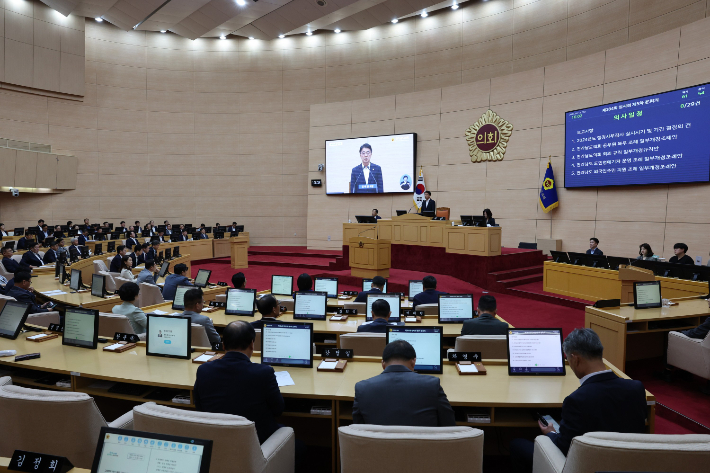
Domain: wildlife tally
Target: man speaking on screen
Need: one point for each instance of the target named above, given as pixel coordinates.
(366, 177)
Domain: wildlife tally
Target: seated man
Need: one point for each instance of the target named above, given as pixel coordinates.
(178, 278)
(239, 281)
(22, 292)
(486, 322)
(420, 401)
(376, 213)
(132, 241)
(680, 250)
(378, 285)
(234, 385)
(429, 295)
(84, 237)
(74, 250)
(193, 306)
(118, 259)
(128, 293)
(143, 254)
(11, 266)
(52, 253)
(149, 274)
(153, 251)
(304, 283)
(269, 309)
(31, 256)
(701, 331)
(136, 255)
(593, 250)
(381, 314)
(603, 403)
(23, 243)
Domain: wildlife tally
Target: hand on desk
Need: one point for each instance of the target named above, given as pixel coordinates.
(546, 429)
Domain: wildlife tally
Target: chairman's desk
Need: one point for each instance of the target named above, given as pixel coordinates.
(631, 334)
(593, 284)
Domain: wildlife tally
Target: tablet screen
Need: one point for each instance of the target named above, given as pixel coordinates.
(455, 308)
(329, 285)
(240, 302)
(203, 275)
(394, 302)
(179, 300)
(647, 294)
(75, 282)
(13, 315)
(310, 305)
(427, 344)
(367, 285)
(287, 344)
(535, 352)
(282, 285)
(415, 287)
(81, 327)
(97, 285)
(168, 335)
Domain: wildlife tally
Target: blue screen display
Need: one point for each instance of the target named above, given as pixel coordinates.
(658, 139)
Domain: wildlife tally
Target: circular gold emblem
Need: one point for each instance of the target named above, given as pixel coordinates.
(488, 138)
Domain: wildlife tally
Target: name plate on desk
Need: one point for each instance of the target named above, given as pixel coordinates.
(412, 313)
(126, 337)
(459, 356)
(221, 305)
(344, 353)
(38, 462)
(222, 283)
(341, 311)
(56, 328)
(350, 293)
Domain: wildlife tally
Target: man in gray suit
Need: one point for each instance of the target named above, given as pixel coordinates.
(194, 303)
(486, 322)
(399, 396)
(149, 274)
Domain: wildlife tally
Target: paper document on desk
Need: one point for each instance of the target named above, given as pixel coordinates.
(283, 378)
(204, 358)
(468, 368)
(328, 365)
(36, 337)
(55, 292)
(115, 346)
(159, 312)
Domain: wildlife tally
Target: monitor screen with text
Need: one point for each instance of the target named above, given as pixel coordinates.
(392, 299)
(98, 285)
(282, 285)
(329, 285)
(535, 352)
(310, 305)
(647, 294)
(287, 344)
(203, 276)
(455, 308)
(367, 285)
(240, 302)
(179, 300)
(168, 335)
(13, 315)
(371, 165)
(81, 327)
(415, 287)
(427, 342)
(75, 281)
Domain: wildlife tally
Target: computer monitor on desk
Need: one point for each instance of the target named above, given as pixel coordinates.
(98, 285)
(179, 300)
(203, 277)
(164, 269)
(392, 299)
(535, 352)
(596, 261)
(455, 308)
(365, 219)
(310, 305)
(287, 344)
(576, 258)
(647, 295)
(329, 285)
(479, 220)
(401, 212)
(99, 249)
(110, 246)
(616, 261)
(467, 220)
(415, 287)
(282, 285)
(427, 343)
(428, 213)
(81, 328)
(559, 257)
(12, 317)
(240, 302)
(75, 283)
(168, 336)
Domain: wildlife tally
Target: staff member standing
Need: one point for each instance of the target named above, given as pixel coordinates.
(428, 204)
(593, 247)
(366, 178)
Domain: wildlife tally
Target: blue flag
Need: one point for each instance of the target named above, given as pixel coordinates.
(548, 193)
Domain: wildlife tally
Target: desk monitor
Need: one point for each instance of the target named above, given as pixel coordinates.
(616, 261)
(59, 269)
(395, 306)
(694, 272)
(176, 251)
(239, 228)
(203, 277)
(168, 336)
(576, 258)
(467, 220)
(99, 249)
(10, 244)
(287, 344)
(19, 231)
(81, 328)
(310, 305)
(365, 219)
(218, 235)
(179, 300)
(164, 269)
(535, 352)
(401, 212)
(282, 285)
(415, 287)
(121, 450)
(329, 285)
(98, 285)
(12, 317)
(455, 308)
(596, 261)
(75, 281)
(162, 228)
(427, 343)
(479, 220)
(110, 246)
(196, 236)
(240, 302)
(559, 257)
(168, 253)
(428, 213)
(64, 228)
(367, 285)
(208, 229)
(84, 251)
(647, 294)
(665, 269)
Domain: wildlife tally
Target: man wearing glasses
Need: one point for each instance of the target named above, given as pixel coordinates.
(366, 178)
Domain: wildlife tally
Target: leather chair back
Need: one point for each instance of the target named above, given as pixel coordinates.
(364, 343)
(689, 354)
(110, 281)
(490, 346)
(368, 448)
(118, 281)
(198, 336)
(288, 303)
(149, 295)
(360, 306)
(109, 324)
(5, 273)
(443, 212)
(100, 265)
(429, 309)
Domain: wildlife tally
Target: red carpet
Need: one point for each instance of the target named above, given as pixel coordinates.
(291, 259)
(536, 288)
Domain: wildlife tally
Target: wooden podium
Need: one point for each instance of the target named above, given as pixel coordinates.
(628, 275)
(239, 251)
(370, 257)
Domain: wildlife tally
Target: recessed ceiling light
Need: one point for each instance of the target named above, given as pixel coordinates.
(251, 37)
(395, 20)
(309, 33)
(282, 36)
(424, 14)
(455, 6)
(337, 30)
(222, 37)
(241, 3)
(99, 19)
(163, 31)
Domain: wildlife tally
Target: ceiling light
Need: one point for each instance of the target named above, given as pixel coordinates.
(282, 36)
(395, 20)
(309, 33)
(424, 14)
(241, 3)
(455, 6)
(99, 19)
(251, 37)
(337, 30)
(222, 37)
(163, 31)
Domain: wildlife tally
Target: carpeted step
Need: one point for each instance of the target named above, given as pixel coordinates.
(552, 299)
(517, 272)
(309, 254)
(521, 280)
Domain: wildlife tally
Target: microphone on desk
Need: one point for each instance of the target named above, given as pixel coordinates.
(352, 191)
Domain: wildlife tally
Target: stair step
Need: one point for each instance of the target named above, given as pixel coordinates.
(291, 254)
(517, 272)
(521, 280)
(552, 299)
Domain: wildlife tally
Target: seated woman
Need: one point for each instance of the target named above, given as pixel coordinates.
(128, 294)
(645, 252)
(490, 221)
(126, 265)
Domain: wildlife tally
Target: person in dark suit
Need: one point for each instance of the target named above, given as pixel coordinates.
(58, 233)
(51, 255)
(366, 177)
(135, 256)
(378, 284)
(603, 403)
(11, 266)
(74, 250)
(239, 281)
(178, 278)
(420, 401)
(701, 331)
(152, 253)
(486, 322)
(428, 204)
(84, 237)
(234, 385)
(31, 256)
(429, 295)
(23, 243)
(3, 233)
(269, 309)
(490, 221)
(376, 214)
(680, 256)
(304, 283)
(118, 259)
(183, 236)
(131, 241)
(381, 314)
(203, 234)
(122, 227)
(142, 256)
(593, 247)
(22, 292)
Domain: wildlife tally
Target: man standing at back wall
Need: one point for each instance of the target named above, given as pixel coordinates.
(366, 178)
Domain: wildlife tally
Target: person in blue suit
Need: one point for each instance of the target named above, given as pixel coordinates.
(269, 309)
(178, 278)
(24, 242)
(22, 292)
(31, 256)
(51, 255)
(366, 178)
(429, 295)
(11, 266)
(234, 385)
(603, 403)
(378, 285)
(380, 316)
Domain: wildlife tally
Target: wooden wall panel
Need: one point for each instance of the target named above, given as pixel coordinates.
(26, 169)
(7, 164)
(46, 171)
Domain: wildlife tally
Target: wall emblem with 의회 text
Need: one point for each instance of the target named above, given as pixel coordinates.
(488, 137)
